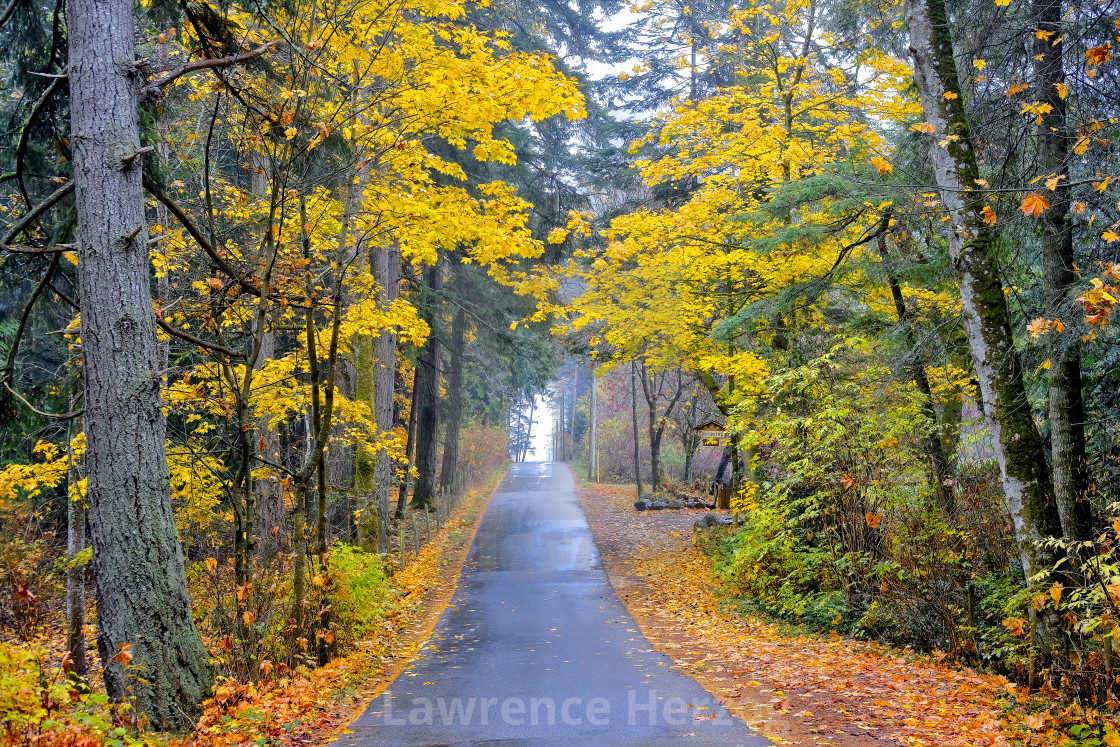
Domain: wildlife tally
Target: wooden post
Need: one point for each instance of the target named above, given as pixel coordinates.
(428, 524)
(415, 538)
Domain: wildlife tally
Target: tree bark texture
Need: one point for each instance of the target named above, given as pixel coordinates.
(593, 440)
(386, 270)
(75, 574)
(427, 387)
(634, 416)
(1015, 438)
(450, 467)
(142, 599)
(1067, 408)
(409, 444)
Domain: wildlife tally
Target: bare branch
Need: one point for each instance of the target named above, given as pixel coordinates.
(19, 226)
(197, 341)
(20, 249)
(56, 415)
(153, 89)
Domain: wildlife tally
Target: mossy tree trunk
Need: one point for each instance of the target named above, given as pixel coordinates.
(1067, 408)
(1015, 438)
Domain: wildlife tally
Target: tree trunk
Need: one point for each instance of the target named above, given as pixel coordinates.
(75, 574)
(142, 599)
(941, 474)
(410, 442)
(593, 440)
(448, 472)
(427, 388)
(689, 455)
(386, 270)
(1067, 409)
(654, 447)
(1016, 441)
(634, 414)
(575, 406)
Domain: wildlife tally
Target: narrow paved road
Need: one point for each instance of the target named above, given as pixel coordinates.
(535, 648)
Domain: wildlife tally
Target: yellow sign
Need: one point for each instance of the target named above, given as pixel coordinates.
(710, 442)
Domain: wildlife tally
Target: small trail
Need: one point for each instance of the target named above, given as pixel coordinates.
(805, 690)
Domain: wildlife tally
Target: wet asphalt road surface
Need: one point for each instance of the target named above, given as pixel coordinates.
(536, 648)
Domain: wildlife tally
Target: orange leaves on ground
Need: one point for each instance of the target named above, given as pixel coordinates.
(1033, 204)
(795, 687)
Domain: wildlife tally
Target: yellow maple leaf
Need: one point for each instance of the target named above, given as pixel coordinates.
(881, 165)
(1110, 236)
(1033, 204)
(1099, 55)
(989, 215)
(979, 64)
(1037, 327)
(290, 133)
(1056, 593)
(950, 95)
(924, 127)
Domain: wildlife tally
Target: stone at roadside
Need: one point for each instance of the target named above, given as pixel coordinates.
(641, 505)
(713, 520)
